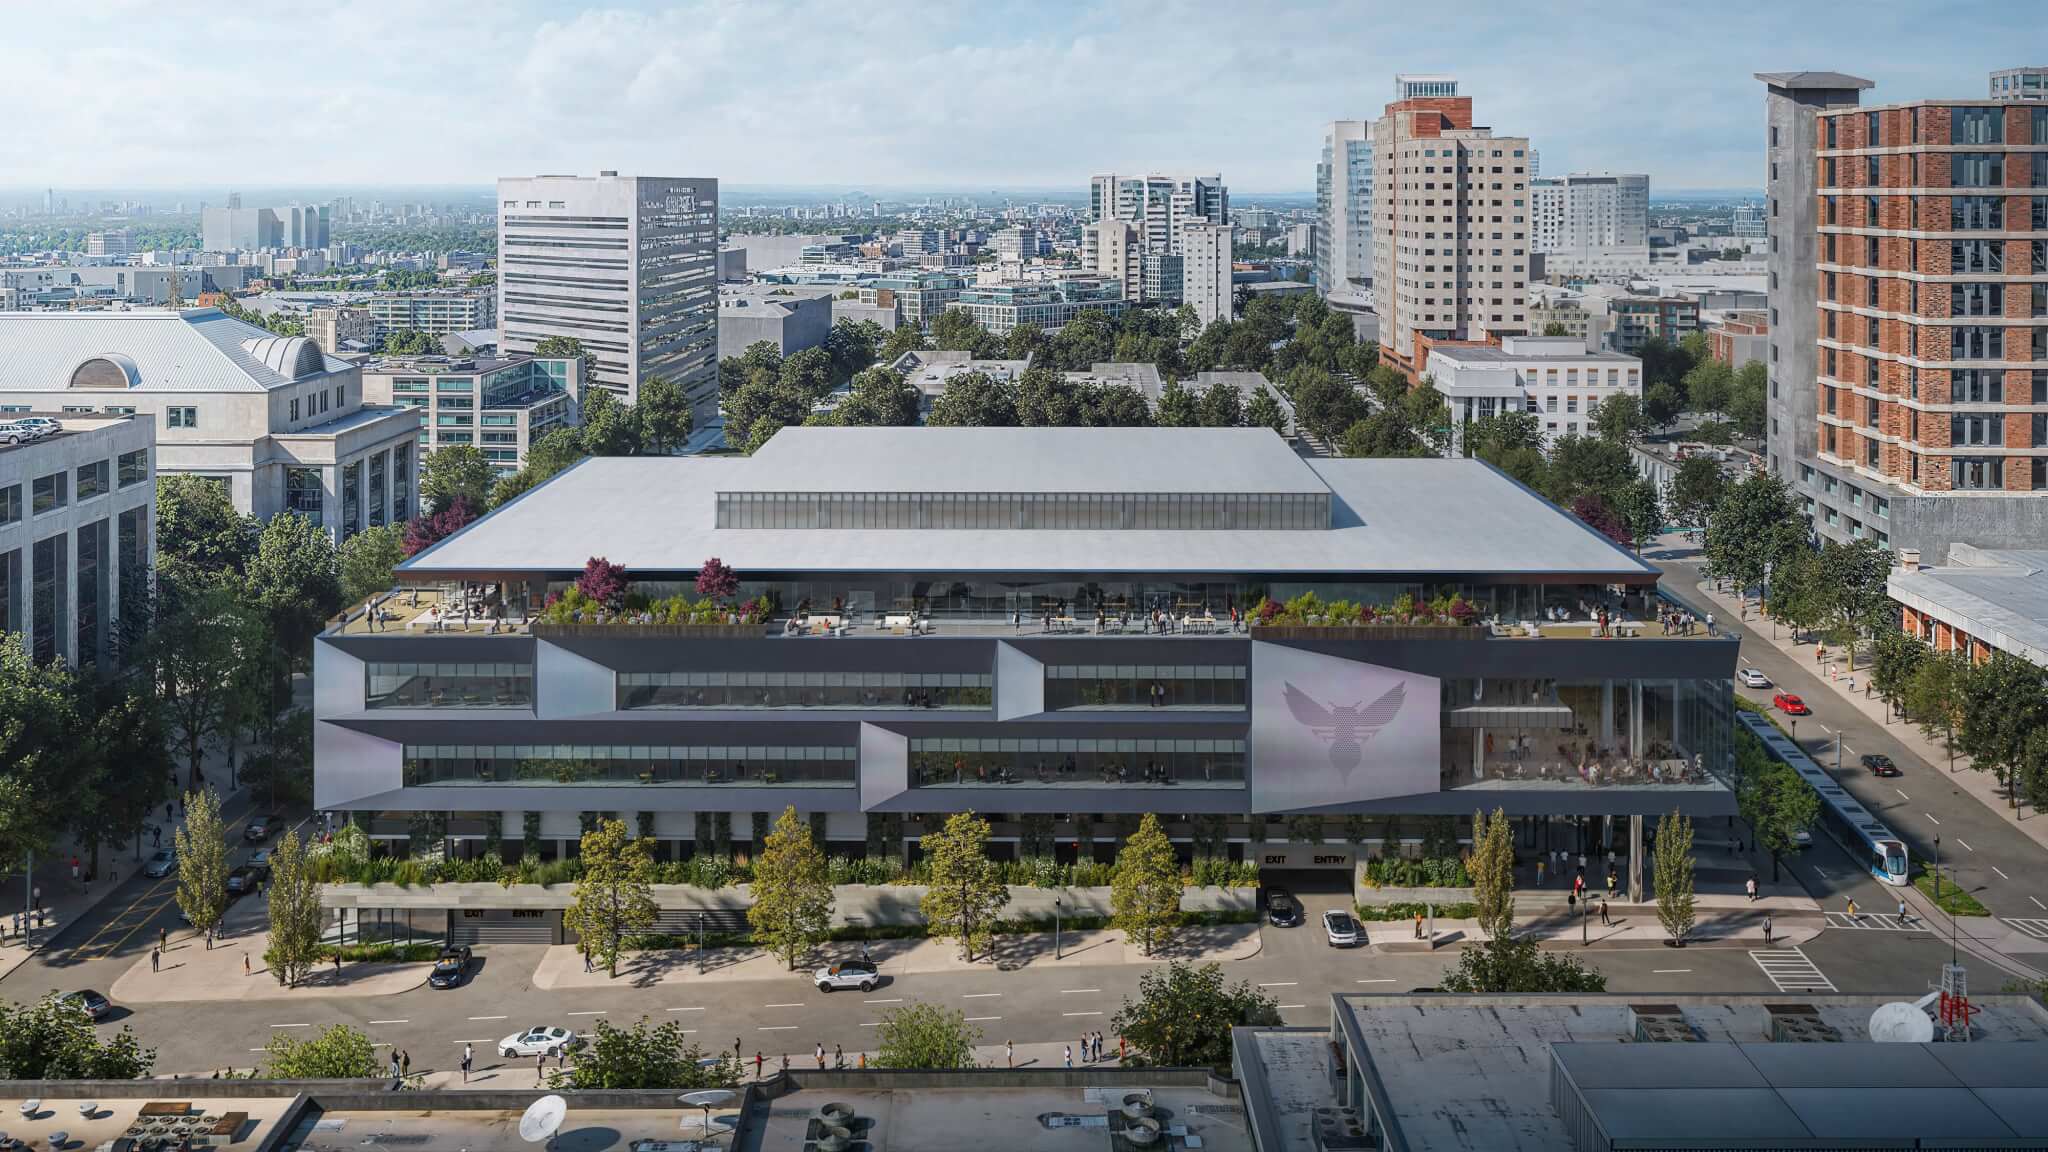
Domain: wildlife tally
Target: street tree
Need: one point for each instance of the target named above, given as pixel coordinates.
(1178, 407)
(367, 561)
(52, 1040)
(1796, 596)
(879, 397)
(1222, 406)
(1662, 402)
(1774, 801)
(665, 416)
(202, 847)
(2003, 702)
(1696, 490)
(295, 915)
(615, 895)
(924, 1035)
(854, 344)
(1673, 874)
(966, 890)
(1754, 525)
(456, 472)
(1183, 1016)
(1145, 888)
(123, 766)
(610, 427)
(1619, 418)
(39, 738)
(1855, 576)
(295, 580)
(1265, 411)
(1640, 509)
(792, 909)
(1894, 660)
(1587, 465)
(339, 1053)
(646, 1056)
(809, 373)
(1707, 387)
(199, 534)
(1934, 698)
(1514, 964)
(1747, 398)
(198, 652)
(1493, 875)
(975, 400)
(281, 768)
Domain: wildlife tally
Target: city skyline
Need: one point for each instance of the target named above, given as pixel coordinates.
(771, 95)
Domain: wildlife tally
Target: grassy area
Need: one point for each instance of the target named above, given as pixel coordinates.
(1955, 899)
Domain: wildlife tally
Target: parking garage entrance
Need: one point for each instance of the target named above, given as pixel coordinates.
(1301, 868)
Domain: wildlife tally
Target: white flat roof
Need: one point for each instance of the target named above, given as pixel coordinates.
(1389, 517)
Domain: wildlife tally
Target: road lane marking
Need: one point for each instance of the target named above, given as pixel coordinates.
(1077, 991)
(686, 1009)
(1902, 793)
(980, 995)
(898, 1000)
(486, 1017)
(1378, 980)
(599, 1012)
(977, 1019)
(1964, 843)
(776, 1028)
(874, 1023)
(1281, 984)
(1790, 970)
(2001, 873)
(1931, 819)
(1293, 1005)
(287, 1025)
(1669, 971)
(1824, 728)
(390, 1021)
(781, 1005)
(2038, 904)
(475, 1040)
(1080, 1013)
(2038, 929)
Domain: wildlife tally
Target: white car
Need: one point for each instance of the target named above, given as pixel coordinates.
(1342, 929)
(847, 974)
(1751, 678)
(536, 1041)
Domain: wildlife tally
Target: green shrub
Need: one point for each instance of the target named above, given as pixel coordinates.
(1420, 872)
(1406, 910)
(385, 953)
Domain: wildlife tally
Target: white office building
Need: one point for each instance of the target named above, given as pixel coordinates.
(274, 420)
(1205, 271)
(1593, 224)
(1552, 377)
(628, 265)
(1161, 206)
(1343, 233)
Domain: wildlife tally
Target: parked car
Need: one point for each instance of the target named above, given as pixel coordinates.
(1790, 704)
(94, 1005)
(1341, 928)
(1802, 839)
(1282, 909)
(1751, 678)
(537, 1041)
(450, 967)
(260, 861)
(15, 434)
(39, 426)
(161, 865)
(1880, 764)
(258, 830)
(241, 881)
(861, 974)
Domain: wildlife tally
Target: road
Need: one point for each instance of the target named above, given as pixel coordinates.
(2005, 870)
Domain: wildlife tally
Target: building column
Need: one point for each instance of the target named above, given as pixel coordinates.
(1635, 859)
(1479, 753)
(1606, 715)
(390, 504)
(1635, 719)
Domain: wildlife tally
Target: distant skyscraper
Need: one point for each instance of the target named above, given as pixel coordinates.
(49, 201)
(1343, 236)
(1450, 223)
(626, 264)
(1592, 223)
(1161, 206)
(1205, 270)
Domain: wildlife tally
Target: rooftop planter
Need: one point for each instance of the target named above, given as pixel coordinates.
(1309, 617)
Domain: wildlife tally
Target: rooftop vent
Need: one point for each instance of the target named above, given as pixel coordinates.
(1662, 1024)
(607, 172)
(1339, 1130)
(1800, 1024)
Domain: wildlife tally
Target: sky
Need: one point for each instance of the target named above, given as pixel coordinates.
(930, 93)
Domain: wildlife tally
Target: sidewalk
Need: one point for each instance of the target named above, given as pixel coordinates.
(1980, 785)
(1631, 926)
(562, 966)
(192, 972)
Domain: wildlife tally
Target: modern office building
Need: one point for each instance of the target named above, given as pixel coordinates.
(1205, 272)
(1551, 377)
(1019, 243)
(1343, 233)
(626, 264)
(960, 618)
(238, 229)
(497, 406)
(1450, 224)
(112, 242)
(1632, 319)
(77, 534)
(1160, 205)
(1909, 317)
(918, 297)
(1740, 337)
(1116, 250)
(791, 318)
(1591, 224)
(280, 424)
(2019, 84)
(1045, 304)
(1748, 222)
(435, 313)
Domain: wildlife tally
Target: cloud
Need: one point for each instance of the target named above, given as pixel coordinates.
(910, 92)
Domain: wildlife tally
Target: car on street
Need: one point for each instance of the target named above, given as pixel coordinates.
(1282, 909)
(1790, 704)
(260, 861)
(450, 967)
(1880, 764)
(94, 1005)
(1802, 839)
(860, 974)
(539, 1040)
(161, 865)
(241, 881)
(258, 830)
(1751, 678)
(1341, 928)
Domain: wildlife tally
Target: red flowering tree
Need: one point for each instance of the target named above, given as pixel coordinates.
(604, 582)
(717, 582)
(1602, 519)
(423, 532)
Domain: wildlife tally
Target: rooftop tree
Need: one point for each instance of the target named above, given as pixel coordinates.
(604, 582)
(716, 581)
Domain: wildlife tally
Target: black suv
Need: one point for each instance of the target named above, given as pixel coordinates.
(1880, 765)
(1282, 909)
(450, 966)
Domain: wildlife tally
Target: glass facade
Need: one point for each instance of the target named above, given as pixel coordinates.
(134, 467)
(91, 569)
(91, 480)
(351, 499)
(1170, 511)
(943, 762)
(10, 591)
(47, 563)
(304, 494)
(401, 484)
(1144, 686)
(449, 685)
(377, 493)
(746, 766)
(1586, 733)
(805, 690)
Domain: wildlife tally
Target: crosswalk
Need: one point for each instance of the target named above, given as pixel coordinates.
(1790, 970)
(1878, 922)
(2037, 928)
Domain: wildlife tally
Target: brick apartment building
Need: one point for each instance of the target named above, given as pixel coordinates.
(1739, 338)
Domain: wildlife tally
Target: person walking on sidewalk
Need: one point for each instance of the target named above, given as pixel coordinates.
(1767, 928)
(163, 939)
(468, 1060)
(540, 1064)
(839, 1057)
(1852, 909)
(1418, 925)
(1749, 888)
(821, 1056)
(1069, 1051)
(1903, 918)
(245, 963)
(736, 1057)
(1539, 871)
(156, 957)
(757, 1063)
(1604, 921)
(1009, 1054)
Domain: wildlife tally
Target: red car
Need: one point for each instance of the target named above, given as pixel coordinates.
(1790, 704)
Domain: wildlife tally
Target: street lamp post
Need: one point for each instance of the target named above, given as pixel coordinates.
(1937, 869)
(700, 943)
(1055, 927)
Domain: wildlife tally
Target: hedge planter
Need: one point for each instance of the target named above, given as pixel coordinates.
(1369, 632)
(593, 631)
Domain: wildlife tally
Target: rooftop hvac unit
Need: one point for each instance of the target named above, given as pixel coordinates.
(1340, 1130)
(1662, 1024)
(1800, 1024)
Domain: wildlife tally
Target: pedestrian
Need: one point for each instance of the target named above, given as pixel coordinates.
(1084, 1047)
(1604, 921)
(245, 963)
(821, 1057)
(163, 938)
(1009, 1054)
(74, 869)
(1852, 908)
(1098, 1047)
(757, 1063)
(1539, 872)
(785, 1065)
(1119, 1049)
(1418, 925)
(838, 1056)
(540, 1065)
(396, 1079)
(1749, 887)
(586, 959)
(404, 1062)
(156, 957)
(1767, 929)
(167, 809)
(561, 1057)
(38, 899)
(468, 1059)
(1070, 1055)
(1903, 918)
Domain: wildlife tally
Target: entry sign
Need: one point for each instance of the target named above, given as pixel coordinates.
(1304, 856)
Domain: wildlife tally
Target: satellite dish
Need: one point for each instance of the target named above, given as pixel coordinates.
(709, 1098)
(542, 1118)
(1900, 1022)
